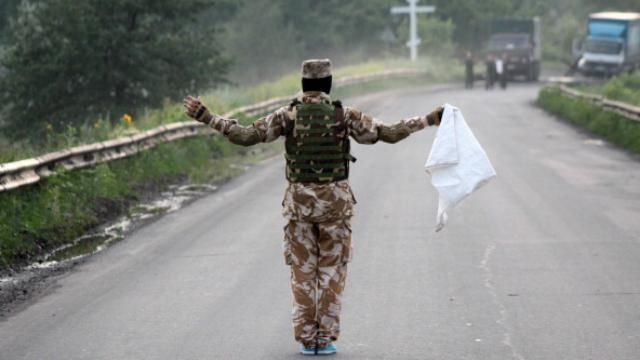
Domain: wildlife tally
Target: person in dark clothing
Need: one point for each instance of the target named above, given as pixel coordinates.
(468, 66)
(490, 76)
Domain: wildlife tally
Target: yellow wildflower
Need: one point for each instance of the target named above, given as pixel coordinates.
(127, 119)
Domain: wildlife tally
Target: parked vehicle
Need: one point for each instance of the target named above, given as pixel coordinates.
(612, 44)
(518, 41)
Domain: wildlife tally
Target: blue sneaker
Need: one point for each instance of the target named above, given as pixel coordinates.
(307, 350)
(329, 349)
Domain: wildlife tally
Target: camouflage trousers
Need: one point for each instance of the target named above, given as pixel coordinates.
(318, 254)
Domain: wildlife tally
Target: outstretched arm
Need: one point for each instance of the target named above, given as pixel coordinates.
(265, 129)
(367, 130)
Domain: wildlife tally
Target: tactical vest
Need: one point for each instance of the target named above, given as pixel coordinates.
(317, 144)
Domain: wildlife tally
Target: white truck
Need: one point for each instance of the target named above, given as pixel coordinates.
(612, 45)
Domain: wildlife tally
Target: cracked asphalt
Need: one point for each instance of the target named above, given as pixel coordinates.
(542, 263)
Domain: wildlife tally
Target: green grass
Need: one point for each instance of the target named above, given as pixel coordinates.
(38, 218)
(610, 126)
(625, 88)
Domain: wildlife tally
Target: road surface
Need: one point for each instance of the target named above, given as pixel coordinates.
(542, 263)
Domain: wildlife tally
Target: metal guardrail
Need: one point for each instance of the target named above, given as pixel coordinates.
(629, 111)
(24, 172)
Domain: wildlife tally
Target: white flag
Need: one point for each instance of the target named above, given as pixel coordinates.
(457, 163)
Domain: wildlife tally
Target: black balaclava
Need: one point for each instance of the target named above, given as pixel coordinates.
(321, 84)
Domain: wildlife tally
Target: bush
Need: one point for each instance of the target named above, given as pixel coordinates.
(624, 88)
(609, 125)
(55, 210)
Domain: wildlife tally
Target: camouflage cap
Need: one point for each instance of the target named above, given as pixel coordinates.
(316, 68)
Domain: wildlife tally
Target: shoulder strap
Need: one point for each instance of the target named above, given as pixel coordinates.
(294, 102)
(339, 114)
(291, 123)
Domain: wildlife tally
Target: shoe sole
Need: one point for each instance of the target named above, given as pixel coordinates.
(328, 353)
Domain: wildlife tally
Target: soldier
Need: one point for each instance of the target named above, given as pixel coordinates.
(318, 202)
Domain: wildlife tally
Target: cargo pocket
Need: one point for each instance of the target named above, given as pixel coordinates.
(286, 244)
(347, 247)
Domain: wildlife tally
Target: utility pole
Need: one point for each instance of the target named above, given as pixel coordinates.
(413, 10)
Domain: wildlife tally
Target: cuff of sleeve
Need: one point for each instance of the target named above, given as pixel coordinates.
(213, 121)
(220, 124)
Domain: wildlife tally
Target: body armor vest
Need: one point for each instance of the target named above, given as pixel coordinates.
(317, 144)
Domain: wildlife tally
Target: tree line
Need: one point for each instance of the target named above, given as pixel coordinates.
(65, 61)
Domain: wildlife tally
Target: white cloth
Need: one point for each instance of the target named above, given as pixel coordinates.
(499, 66)
(457, 163)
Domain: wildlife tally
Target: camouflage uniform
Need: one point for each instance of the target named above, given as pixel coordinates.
(317, 242)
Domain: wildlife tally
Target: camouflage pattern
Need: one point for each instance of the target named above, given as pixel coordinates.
(316, 68)
(318, 202)
(363, 128)
(317, 146)
(318, 254)
(318, 237)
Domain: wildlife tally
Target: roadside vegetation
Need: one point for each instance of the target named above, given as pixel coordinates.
(38, 218)
(609, 125)
(625, 88)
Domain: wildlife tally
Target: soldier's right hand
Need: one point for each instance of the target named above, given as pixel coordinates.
(196, 110)
(435, 116)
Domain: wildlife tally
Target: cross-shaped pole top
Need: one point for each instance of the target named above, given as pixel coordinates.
(413, 10)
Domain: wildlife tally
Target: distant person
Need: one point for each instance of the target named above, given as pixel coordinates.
(490, 76)
(574, 66)
(468, 70)
(318, 202)
(501, 71)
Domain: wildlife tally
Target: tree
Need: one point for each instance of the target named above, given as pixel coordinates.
(7, 10)
(337, 28)
(436, 36)
(472, 17)
(262, 43)
(71, 59)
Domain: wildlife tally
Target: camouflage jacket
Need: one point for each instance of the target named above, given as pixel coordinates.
(318, 202)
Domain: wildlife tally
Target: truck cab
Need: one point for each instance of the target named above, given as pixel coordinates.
(612, 44)
(518, 41)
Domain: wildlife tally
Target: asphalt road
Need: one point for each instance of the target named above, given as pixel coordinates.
(542, 263)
